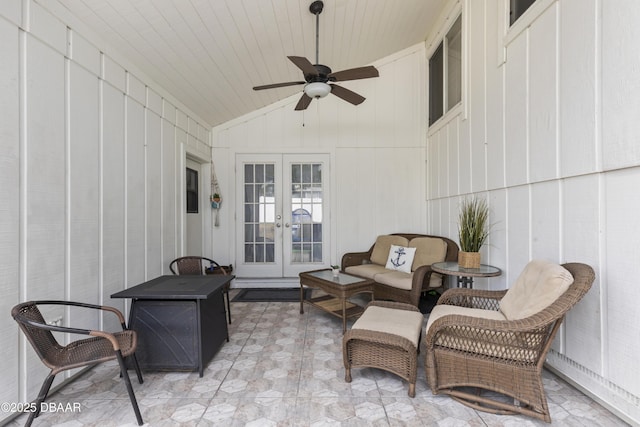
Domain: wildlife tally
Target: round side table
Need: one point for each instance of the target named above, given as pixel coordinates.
(465, 275)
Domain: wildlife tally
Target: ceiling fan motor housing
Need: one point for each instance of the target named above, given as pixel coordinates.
(322, 76)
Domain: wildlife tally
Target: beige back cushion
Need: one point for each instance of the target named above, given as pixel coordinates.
(382, 247)
(539, 285)
(428, 251)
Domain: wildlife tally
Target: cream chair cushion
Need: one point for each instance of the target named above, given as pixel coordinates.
(445, 310)
(428, 251)
(400, 280)
(404, 323)
(540, 284)
(395, 279)
(368, 271)
(382, 247)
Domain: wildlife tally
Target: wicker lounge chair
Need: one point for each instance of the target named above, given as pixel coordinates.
(195, 265)
(469, 343)
(101, 347)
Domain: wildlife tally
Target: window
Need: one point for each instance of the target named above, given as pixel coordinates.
(192, 191)
(517, 8)
(436, 78)
(445, 73)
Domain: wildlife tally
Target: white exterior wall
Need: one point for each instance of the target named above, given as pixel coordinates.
(546, 134)
(550, 139)
(376, 151)
(91, 160)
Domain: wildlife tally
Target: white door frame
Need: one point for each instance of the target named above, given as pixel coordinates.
(282, 265)
(194, 241)
(204, 206)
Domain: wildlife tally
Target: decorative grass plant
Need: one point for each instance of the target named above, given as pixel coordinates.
(473, 229)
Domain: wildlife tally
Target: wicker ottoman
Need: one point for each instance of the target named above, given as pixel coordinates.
(386, 336)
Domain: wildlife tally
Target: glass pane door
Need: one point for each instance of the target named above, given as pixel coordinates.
(282, 214)
(259, 213)
(305, 246)
(259, 219)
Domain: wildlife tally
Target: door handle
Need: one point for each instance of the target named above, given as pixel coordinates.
(286, 225)
(278, 224)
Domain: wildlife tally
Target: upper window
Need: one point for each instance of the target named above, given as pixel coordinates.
(517, 8)
(445, 73)
(192, 191)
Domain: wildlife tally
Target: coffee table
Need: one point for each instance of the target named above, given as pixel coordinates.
(338, 289)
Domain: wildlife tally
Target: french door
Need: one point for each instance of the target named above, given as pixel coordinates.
(282, 214)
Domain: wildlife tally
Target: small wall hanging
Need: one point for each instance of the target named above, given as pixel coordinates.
(216, 200)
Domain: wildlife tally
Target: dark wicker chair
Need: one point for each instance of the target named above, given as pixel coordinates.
(197, 265)
(504, 356)
(101, 347)
(421, 276)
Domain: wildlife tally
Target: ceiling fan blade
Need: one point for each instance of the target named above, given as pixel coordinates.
(354, 74)
(347, 95)
(304, 64)
(275, 85)
(303, 103)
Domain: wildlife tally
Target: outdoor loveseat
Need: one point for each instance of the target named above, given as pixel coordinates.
(394, 283)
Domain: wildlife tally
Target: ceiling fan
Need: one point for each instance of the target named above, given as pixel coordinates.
(317, 76)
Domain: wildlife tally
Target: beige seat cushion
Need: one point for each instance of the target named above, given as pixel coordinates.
(381, 249)
(428, 251)
(444, 310)
(368, 271)
(540, 284)
(396, 279)
(401, 280)
(404, 323)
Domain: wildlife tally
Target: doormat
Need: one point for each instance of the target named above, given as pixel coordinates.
(270, 295)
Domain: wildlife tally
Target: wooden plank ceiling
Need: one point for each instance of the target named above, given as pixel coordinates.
(210, 53)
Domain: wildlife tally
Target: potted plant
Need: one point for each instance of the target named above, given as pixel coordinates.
(335, 269)
(473, 230)
(215, 201)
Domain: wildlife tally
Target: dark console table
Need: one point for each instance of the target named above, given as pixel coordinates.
(180, 320)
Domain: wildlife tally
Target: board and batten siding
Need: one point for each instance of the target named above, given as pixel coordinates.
(549, 136)
(376, 151)
(91, 160)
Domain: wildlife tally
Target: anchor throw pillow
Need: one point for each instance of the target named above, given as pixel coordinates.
(400, 258)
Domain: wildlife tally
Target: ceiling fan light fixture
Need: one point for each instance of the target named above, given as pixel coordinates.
(317, 76)
(317, 89)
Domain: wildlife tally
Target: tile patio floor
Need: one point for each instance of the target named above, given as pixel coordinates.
(285, 369)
